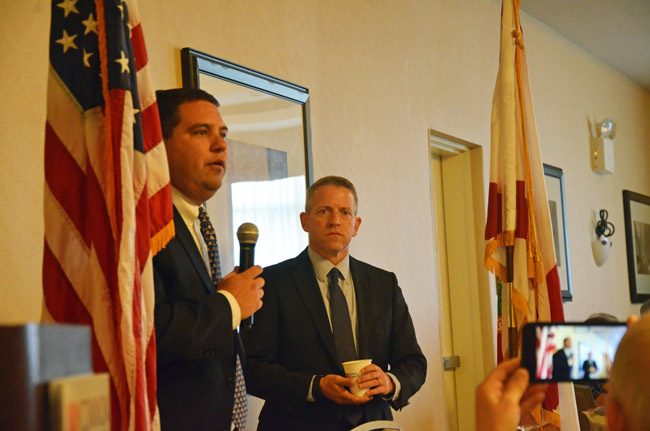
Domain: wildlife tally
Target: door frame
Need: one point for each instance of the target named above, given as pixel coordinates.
(465, 292)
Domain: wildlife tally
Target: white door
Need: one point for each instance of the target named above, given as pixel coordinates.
(466, 316)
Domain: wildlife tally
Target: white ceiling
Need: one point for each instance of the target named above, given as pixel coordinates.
(615, 31)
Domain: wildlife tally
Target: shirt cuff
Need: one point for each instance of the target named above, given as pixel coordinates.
(234, 308)
(398, 387)
(310, 392)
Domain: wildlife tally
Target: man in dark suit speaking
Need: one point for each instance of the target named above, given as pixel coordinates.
(563, 361)
(200, 382)
(323, 308)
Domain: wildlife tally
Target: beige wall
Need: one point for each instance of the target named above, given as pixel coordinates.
(380, 74)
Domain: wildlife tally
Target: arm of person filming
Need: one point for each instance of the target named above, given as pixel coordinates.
(504, 396)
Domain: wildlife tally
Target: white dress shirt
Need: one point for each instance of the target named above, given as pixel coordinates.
(322, 267)
(190, 215)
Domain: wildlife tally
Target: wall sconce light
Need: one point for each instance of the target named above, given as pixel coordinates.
(601, 245)
(602, 147)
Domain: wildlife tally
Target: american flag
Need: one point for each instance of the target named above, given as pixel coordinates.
(107, 196)
(544, 348)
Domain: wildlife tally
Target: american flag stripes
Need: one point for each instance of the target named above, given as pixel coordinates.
(544, 347)
(107, 196)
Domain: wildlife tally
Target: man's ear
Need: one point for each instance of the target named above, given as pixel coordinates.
(615, 417)
(357, 223)
(304, 221)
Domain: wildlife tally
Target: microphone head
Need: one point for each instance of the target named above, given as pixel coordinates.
(247, 233)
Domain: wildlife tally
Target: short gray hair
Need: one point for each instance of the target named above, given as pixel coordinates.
(330, 180)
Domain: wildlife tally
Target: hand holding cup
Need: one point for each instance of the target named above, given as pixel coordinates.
(353, 369)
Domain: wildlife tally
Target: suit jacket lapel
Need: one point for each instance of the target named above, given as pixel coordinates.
(305, 282)
(362, 290)
(185, 238)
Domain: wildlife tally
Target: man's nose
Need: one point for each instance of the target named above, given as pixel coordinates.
(334, 218)
(218, 144)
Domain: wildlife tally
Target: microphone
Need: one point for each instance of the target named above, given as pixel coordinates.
(247, 235)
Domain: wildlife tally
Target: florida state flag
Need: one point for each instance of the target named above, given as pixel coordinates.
(518, 221)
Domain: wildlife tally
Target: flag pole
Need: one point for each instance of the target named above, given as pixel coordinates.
(513, 333)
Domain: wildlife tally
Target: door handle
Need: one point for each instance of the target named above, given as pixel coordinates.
(450, 362)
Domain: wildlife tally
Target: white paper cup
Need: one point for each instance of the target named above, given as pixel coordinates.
(353, 369)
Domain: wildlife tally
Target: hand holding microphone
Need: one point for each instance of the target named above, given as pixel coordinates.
(247, 235)
(246, 284)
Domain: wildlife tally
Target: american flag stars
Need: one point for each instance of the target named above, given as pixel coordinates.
(68, 6)
(82, 34)
(124, 62)
(121, 8)
(67, 41)
(90, 24)
(87, 56)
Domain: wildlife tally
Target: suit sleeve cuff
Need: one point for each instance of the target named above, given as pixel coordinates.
(234, 308)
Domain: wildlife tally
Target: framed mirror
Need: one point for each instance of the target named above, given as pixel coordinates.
(269, 156)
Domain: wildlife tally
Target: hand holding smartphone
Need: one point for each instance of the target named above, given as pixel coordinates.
(570, 351)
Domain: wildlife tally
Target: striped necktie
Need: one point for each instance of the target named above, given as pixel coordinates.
(240, 406)
(210, 238)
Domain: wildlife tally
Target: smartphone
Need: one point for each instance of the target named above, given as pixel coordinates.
(570, 351)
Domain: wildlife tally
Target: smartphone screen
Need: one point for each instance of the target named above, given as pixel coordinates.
(570, 351)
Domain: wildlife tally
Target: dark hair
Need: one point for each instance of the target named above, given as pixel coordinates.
(645, 307)
(601, 318)
(330, 180)
(170, 100)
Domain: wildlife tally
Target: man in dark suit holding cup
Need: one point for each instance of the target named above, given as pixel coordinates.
(324, 308)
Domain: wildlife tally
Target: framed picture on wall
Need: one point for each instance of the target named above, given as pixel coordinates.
(636, 208)
(554, 177)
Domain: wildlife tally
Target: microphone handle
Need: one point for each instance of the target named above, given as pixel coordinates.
(246, 256)
(246, 260)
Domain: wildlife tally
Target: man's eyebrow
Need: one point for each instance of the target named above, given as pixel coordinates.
(222, 129)
(199, 125)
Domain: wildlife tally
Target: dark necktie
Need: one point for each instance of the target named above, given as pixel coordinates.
(341, 325)
(240, 406)
(343, 339)
(210, 238)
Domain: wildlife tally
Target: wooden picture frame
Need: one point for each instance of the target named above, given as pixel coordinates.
(636, 209)
(554, 178)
